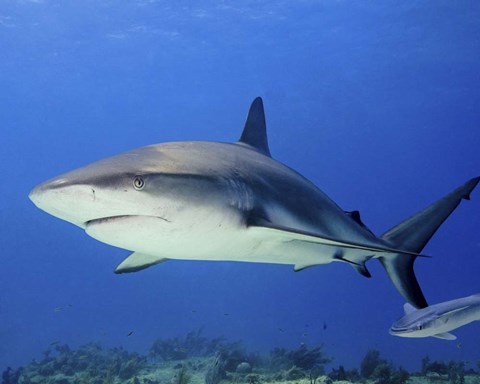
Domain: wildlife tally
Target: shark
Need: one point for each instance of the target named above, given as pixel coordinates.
(203, 200)
(437, 320)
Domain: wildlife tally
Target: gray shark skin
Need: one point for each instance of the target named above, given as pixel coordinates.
(439, 319)
(233, 202)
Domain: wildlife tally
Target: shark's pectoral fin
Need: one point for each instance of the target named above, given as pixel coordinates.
(138, 261)
(445, 336)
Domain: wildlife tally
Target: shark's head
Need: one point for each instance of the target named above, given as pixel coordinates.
(409, 326)
(154, 181)
(416, 322)
(116, 186)
(150, 199)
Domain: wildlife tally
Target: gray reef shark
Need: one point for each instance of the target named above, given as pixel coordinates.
(439, 319)
(231, 201)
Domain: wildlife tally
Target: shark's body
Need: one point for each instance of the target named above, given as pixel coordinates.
(231, 201)
(439, 319)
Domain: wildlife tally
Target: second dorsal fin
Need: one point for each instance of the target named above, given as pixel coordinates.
(255, 132)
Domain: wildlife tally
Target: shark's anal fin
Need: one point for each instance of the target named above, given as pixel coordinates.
(138, 261)
(362, 270)
(255, 131)
(445, 336)
(359, 267)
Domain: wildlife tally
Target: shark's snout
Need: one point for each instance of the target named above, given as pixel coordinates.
(62, 199)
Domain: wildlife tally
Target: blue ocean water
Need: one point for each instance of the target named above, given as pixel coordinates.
(377, 103)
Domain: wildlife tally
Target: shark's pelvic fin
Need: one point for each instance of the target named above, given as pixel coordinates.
(412, 235)
(301, 267)
(255, 131)
(445, 336)
(137, 261)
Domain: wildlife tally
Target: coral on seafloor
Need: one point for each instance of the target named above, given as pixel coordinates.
(88, 364)
(179, 348)
(303, 358)
(342, 374)
(380, 370)
(453, 371)
(195, 359)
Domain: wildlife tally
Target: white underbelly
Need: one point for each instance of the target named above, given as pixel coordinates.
(229, 241)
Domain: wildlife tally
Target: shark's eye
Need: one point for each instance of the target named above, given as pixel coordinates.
(419, 327)
(138, 183)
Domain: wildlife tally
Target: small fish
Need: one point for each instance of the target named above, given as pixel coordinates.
(59, 309)
(324, 326)
(459, 345)
(305, 335)
(83, 357)
(130, 333)
(55, 342)
(226, 314)
(280, 329)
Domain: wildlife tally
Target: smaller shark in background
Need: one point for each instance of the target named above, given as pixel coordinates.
(439, 319)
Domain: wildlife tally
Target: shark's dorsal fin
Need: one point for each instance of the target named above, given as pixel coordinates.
(255, 131)
(408, 308)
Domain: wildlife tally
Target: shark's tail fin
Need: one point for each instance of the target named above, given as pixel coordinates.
(412, 235)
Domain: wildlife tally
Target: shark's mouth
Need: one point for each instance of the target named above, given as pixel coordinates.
(112, 219)
(396, 331)
(402, 330)
(132, 232)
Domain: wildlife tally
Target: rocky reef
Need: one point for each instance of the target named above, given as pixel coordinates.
(195, 359)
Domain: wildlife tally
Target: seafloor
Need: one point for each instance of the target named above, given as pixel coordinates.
(195, 359)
